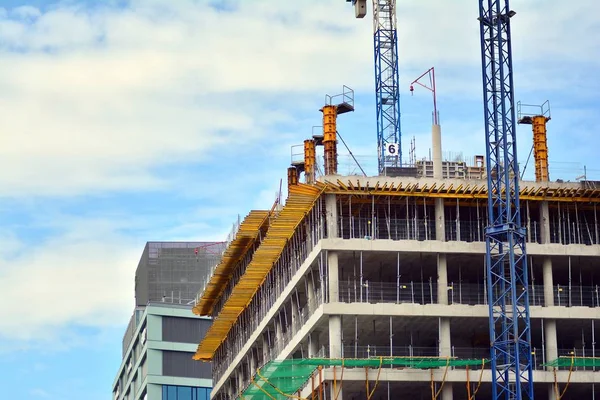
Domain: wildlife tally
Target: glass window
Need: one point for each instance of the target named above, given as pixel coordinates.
(185, 393)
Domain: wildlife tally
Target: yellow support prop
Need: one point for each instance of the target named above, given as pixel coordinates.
(292, 176)
(309, 161)
(540, 148)
(329, 139)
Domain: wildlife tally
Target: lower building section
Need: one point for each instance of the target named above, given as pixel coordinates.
(157, 359)
(170, 392)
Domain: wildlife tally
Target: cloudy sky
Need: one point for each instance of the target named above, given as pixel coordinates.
(133, 120)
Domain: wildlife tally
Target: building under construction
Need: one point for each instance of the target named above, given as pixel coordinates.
(375, 287)
(387, 287)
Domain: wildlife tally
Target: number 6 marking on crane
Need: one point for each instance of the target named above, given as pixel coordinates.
(392, 149)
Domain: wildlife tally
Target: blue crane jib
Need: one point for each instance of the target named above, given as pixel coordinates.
(506, 260)
(387, 89)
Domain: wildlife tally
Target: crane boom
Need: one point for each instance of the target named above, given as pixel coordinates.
(506, 258)
(387, 88)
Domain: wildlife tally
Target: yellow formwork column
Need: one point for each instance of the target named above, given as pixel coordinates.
(309, 160)
(292, 176)
(329, 139)
(540, 148)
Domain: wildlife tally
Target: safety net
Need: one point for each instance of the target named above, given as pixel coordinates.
(282, 379)
(567, 361)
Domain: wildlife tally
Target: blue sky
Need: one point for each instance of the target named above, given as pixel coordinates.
(128, 121)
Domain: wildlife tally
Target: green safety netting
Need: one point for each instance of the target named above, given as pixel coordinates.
(567, 361)
(288, 376)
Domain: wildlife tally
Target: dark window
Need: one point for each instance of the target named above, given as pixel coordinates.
(176, 363)
(185, 393)
(184, 330)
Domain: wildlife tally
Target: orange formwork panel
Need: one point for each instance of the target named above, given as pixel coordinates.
(540, 148)
(300, 201)
(330, 139)
(309, 161)
(463, 190)
(246, 236)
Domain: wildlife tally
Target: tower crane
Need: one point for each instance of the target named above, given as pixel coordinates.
(387, 92)
(506, 259)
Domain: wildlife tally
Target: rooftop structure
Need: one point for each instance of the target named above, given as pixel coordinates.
(174, 271)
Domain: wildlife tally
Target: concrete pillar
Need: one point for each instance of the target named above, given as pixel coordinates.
(331, 216)
(440, 234)
(240, 381)
(333, 276)
(253, 363)
(444, 337)
(310, 294)
(335, 344)
(544, 222)
(442, 272)
(551, 341)
(436, 151)
(313, 344)
(551, 345)
(442, 265)
(265, 348)
(335, 336)
(548, 282)
(551, 392)
(295, 314)
(230, 389)
(440, 223)
(445, 344)
(278, 335)
(447, 391)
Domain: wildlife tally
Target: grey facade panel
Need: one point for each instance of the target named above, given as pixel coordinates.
(176, 363)
(134, 321)
(173, 272)
(128, 334)
(184, 330)
(141, 279)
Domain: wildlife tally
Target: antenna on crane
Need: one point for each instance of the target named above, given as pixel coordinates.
(436, 129)
(430, 73)
(387, 91)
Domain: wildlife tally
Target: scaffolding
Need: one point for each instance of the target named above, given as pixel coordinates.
(284, 379)
(282, 228)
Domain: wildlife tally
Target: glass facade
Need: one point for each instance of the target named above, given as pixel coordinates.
(185, 393)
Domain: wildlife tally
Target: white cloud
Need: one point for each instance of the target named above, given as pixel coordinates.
(37, 392)
(94, 99)
(83, 277)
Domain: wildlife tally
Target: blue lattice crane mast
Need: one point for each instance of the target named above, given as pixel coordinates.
(389, 147)
(506, 261)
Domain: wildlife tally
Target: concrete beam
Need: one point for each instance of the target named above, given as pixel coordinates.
(436, 246)
(454, 310)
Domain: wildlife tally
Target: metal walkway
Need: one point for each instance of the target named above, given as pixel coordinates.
(300, 201)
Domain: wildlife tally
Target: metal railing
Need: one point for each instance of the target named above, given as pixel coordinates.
(351, 291)
(387, 292)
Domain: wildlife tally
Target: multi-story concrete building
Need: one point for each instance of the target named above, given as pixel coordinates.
(369, 267)
(163, 333)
